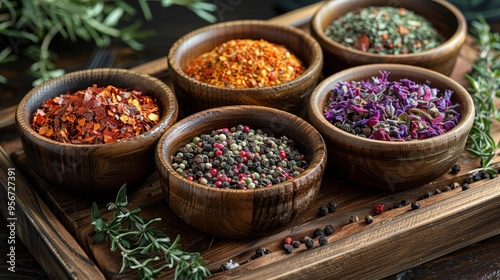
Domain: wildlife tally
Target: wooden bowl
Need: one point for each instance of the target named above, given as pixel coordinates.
(94, 167)
(388, 165)
(194, 95)
(236, 213)
(446, 18)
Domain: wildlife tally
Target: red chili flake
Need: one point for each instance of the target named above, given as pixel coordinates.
(379, 209)
(96, 115)
(245, 63)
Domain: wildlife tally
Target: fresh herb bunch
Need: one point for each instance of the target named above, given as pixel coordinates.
(141, 245)
(37, 22)
(484, 79)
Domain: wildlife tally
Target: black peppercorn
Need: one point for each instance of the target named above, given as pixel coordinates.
(493, 176)
(288, 248)
(438, 191)
(318, 232)
(455, 169)
(329, 230)
(427, 195)
(485, 175)
(309, 243)
(415, 205)
(368, 219)
(296, 244)
(465, 186)
(323, 210)
(447, 188)
(323, 240)
(353, 219)
(333, 206)
(405, 202)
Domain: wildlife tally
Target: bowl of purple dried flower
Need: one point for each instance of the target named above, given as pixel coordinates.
(391, 126)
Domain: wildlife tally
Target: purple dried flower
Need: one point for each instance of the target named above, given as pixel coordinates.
(395, 111)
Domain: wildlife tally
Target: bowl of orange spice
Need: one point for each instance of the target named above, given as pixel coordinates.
(95, 130)
(246, 62)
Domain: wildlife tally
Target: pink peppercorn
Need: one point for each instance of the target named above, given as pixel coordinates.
(246, 129)
(282, 154)
(288, 240)
(379, 209)
(218, 153)
(214, 171)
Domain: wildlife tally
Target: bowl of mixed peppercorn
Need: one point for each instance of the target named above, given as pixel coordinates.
(392, 127)
(246, 62)
(240, 171)
(426, 33)
(95, 130)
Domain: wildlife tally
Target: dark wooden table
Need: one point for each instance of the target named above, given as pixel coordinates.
(478, 261)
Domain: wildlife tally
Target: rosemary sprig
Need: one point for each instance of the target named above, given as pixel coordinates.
(484, 79)
(141, 245)
(35, 23)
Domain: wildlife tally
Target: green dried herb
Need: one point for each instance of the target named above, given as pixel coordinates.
(484, 79)
(384, 30)
(141, 245)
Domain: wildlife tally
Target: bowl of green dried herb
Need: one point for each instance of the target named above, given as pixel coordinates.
(427, 33)
(245, 62)
(390, 126)
(240, 171)
(95, 130)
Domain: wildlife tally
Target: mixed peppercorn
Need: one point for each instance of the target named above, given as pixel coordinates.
(240, 158)
(96, 115)
(246, 63)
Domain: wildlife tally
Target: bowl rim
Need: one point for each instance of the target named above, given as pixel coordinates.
(323, 88)
(458, 37)
(313, 68)
(319, 158)
(169, 113)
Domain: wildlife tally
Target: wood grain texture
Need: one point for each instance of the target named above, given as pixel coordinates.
(238, 213)
(86, 167)
(446, 18)
(57, 251)
(392, 165)
(289, 96)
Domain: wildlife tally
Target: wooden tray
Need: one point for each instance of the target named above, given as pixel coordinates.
(55, 225)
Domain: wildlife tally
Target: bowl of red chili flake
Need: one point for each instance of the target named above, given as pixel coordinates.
(428, 34)
(390, 126)
(246, 62)
(240, 171)
(95, 129)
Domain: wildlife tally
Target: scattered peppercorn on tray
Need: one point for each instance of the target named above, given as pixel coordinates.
(55, 225)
